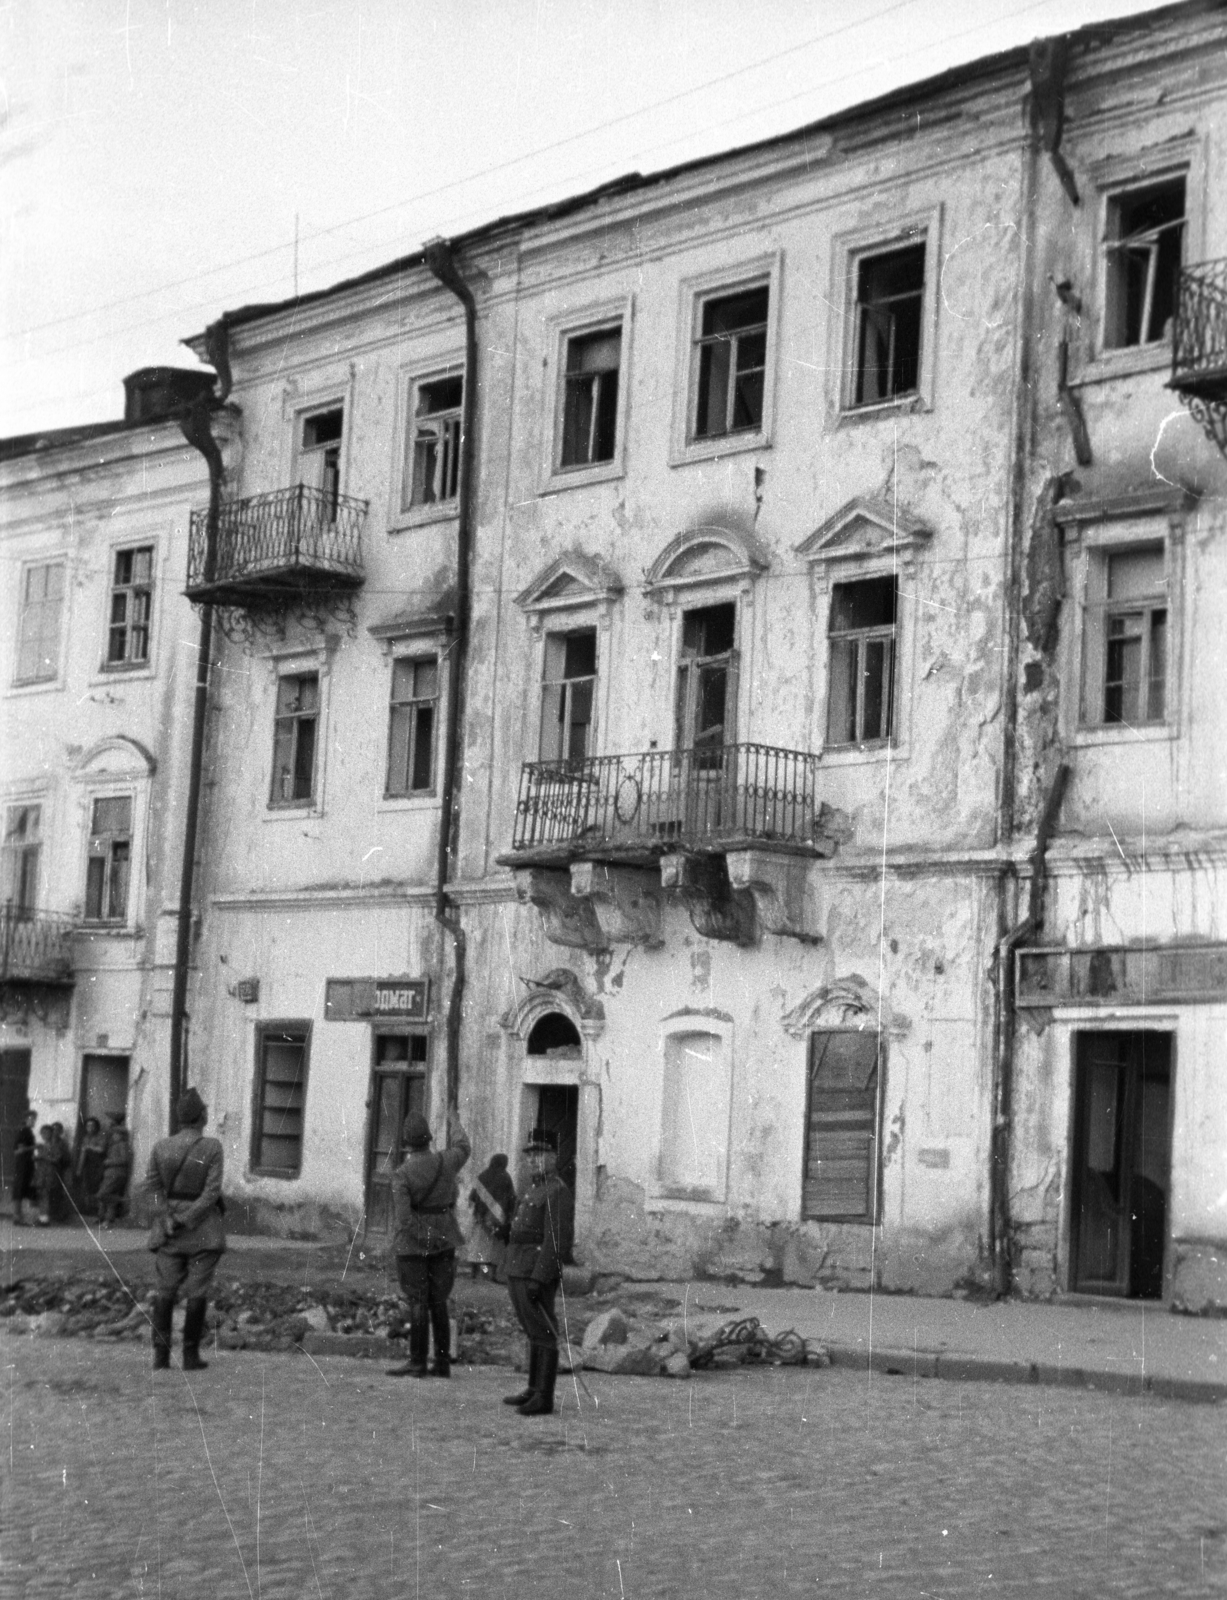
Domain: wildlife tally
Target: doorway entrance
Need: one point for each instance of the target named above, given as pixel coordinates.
(104, 1087)
(398, 1086)
(14, 1103)
(1121, 1162)
(555, 1106)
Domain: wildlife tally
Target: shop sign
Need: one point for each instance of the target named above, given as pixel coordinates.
(1131, 975)
(370, 999)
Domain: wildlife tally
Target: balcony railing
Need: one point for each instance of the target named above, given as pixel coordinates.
(35, 946)
(664, 799)
(1199, 339)
(290, 542)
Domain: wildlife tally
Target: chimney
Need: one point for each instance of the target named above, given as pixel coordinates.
(152, 394)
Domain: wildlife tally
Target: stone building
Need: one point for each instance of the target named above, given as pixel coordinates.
(787, 622)
(97, 663)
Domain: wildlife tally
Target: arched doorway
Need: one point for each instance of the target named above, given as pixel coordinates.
(554, 1106)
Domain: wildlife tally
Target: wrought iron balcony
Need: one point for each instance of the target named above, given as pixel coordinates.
(634, 807)
(35, 946)
(287, 545)
(1199, 340)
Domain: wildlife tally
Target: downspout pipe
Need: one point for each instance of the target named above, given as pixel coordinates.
(1007, 1028)
(441, 262)
(194, 424)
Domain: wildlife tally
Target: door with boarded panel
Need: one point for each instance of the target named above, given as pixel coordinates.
(841, 1130)
(14, 1103)
(398, 1086)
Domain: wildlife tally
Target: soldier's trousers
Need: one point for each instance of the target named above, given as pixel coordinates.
(536, 1317)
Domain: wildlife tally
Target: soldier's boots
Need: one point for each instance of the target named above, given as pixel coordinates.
(442, 1331)
(419, 1344)
(541, 1401)
(160, 1326)
(526, 1394)
(193, 1332)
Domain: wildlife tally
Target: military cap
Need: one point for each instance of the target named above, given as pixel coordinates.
(541, 1139)
(416, 1131)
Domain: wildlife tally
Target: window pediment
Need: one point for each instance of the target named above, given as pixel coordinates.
(865, 530)
(705, 555)
(849, 1002)
(571, 581)
(118, 757)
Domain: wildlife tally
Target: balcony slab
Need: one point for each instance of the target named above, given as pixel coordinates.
(625, 899)
(569, 919)
(782, 890)
(717, 909)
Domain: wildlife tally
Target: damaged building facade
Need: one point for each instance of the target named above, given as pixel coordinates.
(761, 755)
(98, 664)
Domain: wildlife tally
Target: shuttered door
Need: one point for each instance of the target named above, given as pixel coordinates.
(842, 1126)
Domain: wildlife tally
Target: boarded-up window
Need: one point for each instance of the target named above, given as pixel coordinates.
(841, 1136)
(280, 1099)
(38, 638)
(694, 1116)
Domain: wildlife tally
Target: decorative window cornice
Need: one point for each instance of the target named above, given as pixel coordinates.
(703, 556)
(571, 582)
(865, 530)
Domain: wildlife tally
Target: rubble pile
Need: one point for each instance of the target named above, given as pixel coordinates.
(617, 1342)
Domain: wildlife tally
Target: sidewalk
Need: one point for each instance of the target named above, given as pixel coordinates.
(1126, 1347)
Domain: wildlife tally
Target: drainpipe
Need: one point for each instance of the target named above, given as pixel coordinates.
(1007, 1028)
(194, 425)
(442, 263)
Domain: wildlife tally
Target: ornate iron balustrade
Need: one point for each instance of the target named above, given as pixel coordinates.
(288, 542)
(663, 799)
(1199, 347)
(35, 946)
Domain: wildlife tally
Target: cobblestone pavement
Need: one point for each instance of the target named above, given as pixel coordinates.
(279, 1476)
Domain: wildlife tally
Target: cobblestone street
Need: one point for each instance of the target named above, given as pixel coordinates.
(278, 1476)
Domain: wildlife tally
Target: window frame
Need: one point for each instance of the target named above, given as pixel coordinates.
(263, 1029)
(695, 293)
(1107, 263)
(106, 892)
(863, 636)
(402, 512)
(848, 251)
(417, 654)
(691, 668)
(14, 856)
(53, 679)
(664, 1196)
(581, 322)
(1091, 533)
(547, 683)
(296, 718)
(872, 1215)
(127, 663)
(861, 259)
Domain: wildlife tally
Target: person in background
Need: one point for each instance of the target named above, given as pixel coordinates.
(187, 1235)
(88, 1167)
(424, 1195)
(23, 1167)
(116, 1170)
(541, 1231)
(48, 1159)
(493, 1199)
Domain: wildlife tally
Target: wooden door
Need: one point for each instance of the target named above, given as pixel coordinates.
(398, 1086)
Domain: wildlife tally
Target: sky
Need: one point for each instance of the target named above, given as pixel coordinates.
(164, 160)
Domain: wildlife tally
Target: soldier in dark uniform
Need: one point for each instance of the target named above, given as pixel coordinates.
(424, 1195)
(185, 1182)
(541, 1229)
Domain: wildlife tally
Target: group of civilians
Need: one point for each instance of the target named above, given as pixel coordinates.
(59, 1181)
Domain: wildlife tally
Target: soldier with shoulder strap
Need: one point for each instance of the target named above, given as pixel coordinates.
(424, 1195)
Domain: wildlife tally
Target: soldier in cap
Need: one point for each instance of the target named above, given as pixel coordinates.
(541, 1230)
(185, 1182)
(424, 1195)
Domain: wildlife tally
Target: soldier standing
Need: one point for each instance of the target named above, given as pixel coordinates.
(185, 1182)
(540, 1240)
(424, 1195)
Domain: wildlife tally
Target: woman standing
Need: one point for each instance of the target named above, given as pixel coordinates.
(493, 1199)
(23, 1167)
(89, 1164)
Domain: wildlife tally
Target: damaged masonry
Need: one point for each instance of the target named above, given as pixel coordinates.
(723, 669)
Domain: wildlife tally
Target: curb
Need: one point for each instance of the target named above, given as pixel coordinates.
(981, 1369)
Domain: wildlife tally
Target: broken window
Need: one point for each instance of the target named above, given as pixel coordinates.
(131, 607)
(319, 457)
(1125, 678)
(433, 474)
(280, 1098)
(1143, 249)
(294, 739)
(694, 1116)
(841, 1133)
(890, 291)
(706, 682)
(109, 861)
(38, 630)
(22, 849)
(730, 363)
(567, 692)
(411, 735)
(862, 670)
(590, 397)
